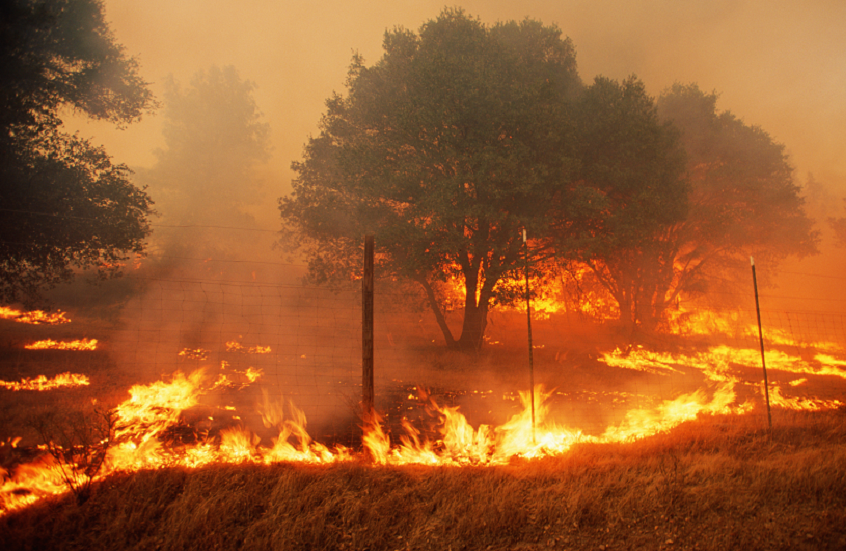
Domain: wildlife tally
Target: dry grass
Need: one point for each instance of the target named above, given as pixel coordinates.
(718, 483)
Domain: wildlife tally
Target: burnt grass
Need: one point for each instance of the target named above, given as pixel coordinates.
(719, 482)
(712, 484)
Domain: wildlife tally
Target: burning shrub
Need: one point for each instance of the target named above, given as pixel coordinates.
(78, 443)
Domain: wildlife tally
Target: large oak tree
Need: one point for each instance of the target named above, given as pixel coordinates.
(630, 192)
(65, 206)
(445, 149)
(744, 200)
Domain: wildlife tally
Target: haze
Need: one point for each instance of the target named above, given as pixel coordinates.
(776, 64)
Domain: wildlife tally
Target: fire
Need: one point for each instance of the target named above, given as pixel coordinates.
(251, 374)
(798, 403)
(716, 362)
(43, 383)
(152, 427)
(50, 344)
(33, 317)
(235, 346)
(194, 354)
(461, 444)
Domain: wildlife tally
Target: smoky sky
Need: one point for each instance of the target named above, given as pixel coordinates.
(778, 64)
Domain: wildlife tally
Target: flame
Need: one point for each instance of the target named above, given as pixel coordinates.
(800, 404)
(251, 375)
(235, 346)
(194, 354)
(43, 383)
(461, 444)
(50, 344)
(734, 325)
(151, 428)
(33, 317)
(716, 362)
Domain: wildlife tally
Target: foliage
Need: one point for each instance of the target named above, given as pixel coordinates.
(65, 206)
(839, 227)
(743, 198)
(214, 138)
(630, 192)
(445, 149)
(674, 197)
(78, 442)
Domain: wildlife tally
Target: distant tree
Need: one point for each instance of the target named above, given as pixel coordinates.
(64, 205)
(445, 149)
(630, 193)
(743, 198)
(214, 139)
(839, 227)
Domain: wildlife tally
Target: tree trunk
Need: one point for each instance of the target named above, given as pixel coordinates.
(473, 328)
(439, 315)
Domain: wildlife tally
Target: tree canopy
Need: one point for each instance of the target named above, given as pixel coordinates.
(462, 135)
(744, 200)
(445, 149)
(65, 205)
(214, 139)
(630, 192)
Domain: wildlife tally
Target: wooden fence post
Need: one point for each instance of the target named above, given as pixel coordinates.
(367, 392)
(761, 339)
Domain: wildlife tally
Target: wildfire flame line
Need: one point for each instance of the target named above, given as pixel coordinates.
(33, 317)
(43, 383)
(50, 344)
(147, 420)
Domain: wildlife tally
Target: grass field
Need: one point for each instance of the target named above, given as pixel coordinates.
(712, 484)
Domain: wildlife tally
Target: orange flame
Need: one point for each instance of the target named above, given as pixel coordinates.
(194, 354)
(461, 444)
(235, 346)
(800, 404)
(50, 344)
(43, 383)
(147, 421)
(33, 317)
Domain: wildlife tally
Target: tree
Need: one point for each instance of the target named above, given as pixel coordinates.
(839, 227)
(214, 138)
(445, 149)
(65, 205)
(743, 200)
(630, 193)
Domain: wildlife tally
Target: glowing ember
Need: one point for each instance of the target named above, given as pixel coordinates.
(194, 354)
(234, 346)
(49, 344)
(43, 383)
(33, 317)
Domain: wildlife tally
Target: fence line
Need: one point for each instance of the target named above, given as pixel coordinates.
(306, 340)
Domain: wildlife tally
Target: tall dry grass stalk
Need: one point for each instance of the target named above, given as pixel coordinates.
(715, 484)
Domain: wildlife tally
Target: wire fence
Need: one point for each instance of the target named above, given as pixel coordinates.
(305, 342)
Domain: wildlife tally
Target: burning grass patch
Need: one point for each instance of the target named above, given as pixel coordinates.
(716, 483)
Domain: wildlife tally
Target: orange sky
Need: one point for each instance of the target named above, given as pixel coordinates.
(778, 64)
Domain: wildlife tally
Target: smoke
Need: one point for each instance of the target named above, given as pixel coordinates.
(775, 64)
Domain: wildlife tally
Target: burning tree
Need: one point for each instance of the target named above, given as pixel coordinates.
(630, 192)
(673, 195)
(743, 199)
(65, 205)
(445, 149)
